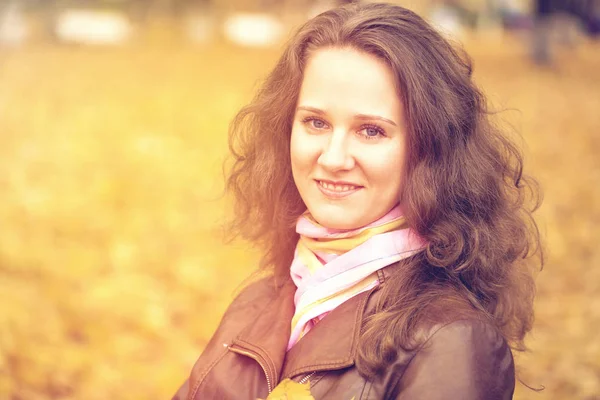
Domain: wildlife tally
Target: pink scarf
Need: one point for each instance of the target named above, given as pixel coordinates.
(331, 266)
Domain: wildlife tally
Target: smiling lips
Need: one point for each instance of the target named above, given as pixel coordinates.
(337, 189)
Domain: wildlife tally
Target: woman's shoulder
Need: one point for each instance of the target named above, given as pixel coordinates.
(452, 319)
(468, 359)
(465, 352)
(473, 336)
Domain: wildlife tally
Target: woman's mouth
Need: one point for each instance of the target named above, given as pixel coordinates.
(337, 190)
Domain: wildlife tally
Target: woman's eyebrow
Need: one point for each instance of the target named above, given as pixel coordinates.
(375, 117)
(357, 116)
(311, 109)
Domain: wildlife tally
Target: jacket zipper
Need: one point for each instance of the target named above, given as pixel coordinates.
(307, 377)
(256, 358)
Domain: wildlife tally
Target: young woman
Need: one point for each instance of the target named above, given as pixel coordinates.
(393, 218)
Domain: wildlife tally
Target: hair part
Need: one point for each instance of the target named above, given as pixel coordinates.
(465, 192)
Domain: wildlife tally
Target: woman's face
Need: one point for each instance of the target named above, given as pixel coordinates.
(348, 138)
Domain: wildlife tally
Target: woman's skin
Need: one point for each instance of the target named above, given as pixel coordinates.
(348, 138)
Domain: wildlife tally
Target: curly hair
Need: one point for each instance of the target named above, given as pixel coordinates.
(465, 192)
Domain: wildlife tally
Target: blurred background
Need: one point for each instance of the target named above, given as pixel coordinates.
(113, 131)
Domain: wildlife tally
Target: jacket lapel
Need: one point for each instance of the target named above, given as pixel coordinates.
(332, 343)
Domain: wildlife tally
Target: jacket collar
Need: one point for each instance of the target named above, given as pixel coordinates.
(332, 344)
(267, 335)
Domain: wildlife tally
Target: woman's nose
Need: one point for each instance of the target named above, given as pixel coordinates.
(335, 155)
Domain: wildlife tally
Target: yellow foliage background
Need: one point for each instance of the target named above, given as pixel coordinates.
(113, 275)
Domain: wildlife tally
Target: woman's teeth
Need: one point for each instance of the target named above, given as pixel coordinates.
(337, 188)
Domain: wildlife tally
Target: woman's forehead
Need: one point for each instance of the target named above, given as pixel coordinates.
(346, 78)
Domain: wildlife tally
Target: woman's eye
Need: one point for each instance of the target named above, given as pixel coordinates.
(317, 123)
(372, 132)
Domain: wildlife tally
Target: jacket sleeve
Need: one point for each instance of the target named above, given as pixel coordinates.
(182, 393)
(466, 360)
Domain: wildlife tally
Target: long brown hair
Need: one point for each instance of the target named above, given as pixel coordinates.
(464, 192)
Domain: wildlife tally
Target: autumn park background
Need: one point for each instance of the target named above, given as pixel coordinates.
(113, 274)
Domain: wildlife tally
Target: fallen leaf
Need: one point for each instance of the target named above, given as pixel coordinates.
(291, 390)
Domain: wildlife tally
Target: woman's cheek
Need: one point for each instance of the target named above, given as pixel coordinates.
(299, 150)
(305, 148)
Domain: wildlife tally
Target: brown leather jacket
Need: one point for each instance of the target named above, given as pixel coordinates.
(462, 358)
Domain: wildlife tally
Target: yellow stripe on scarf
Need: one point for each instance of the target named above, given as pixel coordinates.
(342, 245)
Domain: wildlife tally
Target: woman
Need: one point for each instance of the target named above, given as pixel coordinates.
(393, 220)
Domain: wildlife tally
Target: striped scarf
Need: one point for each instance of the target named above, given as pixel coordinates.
(331, 266)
